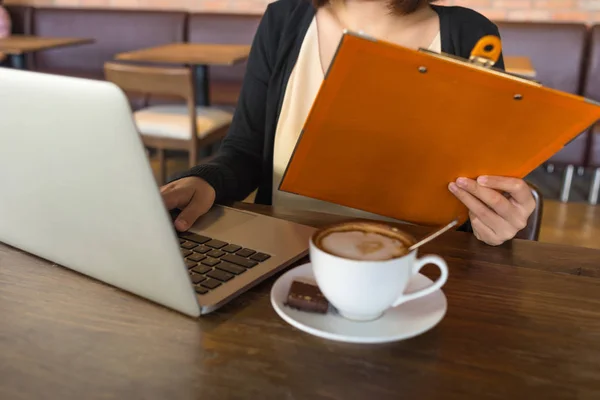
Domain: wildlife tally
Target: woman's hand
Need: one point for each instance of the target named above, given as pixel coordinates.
(193, 196)
(495, 217)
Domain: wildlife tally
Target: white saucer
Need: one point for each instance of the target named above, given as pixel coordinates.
(405, 321)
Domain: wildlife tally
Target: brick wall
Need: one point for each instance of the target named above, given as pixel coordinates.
(545, 10)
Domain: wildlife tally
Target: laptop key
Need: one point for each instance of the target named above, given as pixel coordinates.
(200, 289)
(231, 248)
(245, 253)
(220, 275)
(197, 257)
(201, 269)
(202, 249)
(233, 269)
(260, 257)
(194, 237)
(244, 262)
(216, 244)
(185, 252)
(189, 245)
(211, 262)
(190, 264)
(215, 253)
(181, 241)
(211, 283)
(197, 278)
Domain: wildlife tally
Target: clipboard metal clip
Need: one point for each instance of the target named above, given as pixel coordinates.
(484, 56)
(486, 52)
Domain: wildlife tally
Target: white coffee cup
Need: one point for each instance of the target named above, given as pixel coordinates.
(362, 290)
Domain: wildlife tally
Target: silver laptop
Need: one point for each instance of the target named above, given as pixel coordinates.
(76, 188)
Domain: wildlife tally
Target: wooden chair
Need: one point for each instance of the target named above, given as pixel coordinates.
(184, 127)
(532, 230)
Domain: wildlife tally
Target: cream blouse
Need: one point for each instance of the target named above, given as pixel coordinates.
(303, 85)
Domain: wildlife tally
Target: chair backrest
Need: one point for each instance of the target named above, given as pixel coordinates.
(532, 230)
(591, 87)
(146, 80)
(172, 81)
(557, 52)
(591, 90)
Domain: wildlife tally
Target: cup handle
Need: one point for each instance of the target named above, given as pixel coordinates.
(420, 263)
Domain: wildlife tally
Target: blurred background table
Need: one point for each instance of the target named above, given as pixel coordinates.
(16, 46)
(520, 65)
(201, 56)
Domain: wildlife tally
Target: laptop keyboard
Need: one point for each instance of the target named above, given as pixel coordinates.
(212, 262)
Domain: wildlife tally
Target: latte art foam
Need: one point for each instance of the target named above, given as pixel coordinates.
(361, 245)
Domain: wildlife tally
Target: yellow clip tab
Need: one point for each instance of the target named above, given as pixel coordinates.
(487, 51)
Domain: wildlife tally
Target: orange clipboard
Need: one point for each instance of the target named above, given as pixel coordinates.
(391, 127)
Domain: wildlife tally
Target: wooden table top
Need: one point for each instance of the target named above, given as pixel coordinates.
(190, 53)
(520, 66)
(522, 323)
(20, 44)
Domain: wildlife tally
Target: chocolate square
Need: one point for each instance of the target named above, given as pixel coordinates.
(306, 297)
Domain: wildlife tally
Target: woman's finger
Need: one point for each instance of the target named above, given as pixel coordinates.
(484, 233)
(517, 188)
(495, 200)
(479, 210)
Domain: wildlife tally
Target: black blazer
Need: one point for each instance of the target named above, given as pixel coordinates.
(245, 159)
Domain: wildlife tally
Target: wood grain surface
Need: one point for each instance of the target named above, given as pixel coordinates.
(20, 44)
(190, 53)
(514, 329)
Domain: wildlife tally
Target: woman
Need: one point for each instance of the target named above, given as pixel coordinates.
(292, 49)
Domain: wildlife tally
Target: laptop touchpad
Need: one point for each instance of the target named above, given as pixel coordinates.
(220, 219)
